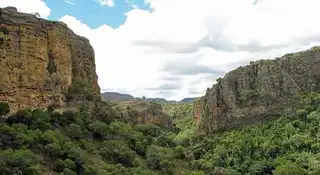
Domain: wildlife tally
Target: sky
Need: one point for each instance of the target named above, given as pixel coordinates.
(178, 48)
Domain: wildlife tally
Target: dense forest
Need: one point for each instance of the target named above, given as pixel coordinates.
(100, 142)
(38, 141)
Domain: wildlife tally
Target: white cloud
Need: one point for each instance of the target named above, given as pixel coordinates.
(109, 3)
(29, 6)
(216, 34)
(129, 2)
(132, 56)
(70, 2)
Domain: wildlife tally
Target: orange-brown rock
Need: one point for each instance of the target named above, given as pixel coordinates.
(260, 91)
(43, 62)
(147, 112)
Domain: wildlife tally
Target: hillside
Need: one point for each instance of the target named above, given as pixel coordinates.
(259, 91)
(118, 97)
(115, 96)
(287, 145)
(103, 142)
(188, 100)
(38, 142)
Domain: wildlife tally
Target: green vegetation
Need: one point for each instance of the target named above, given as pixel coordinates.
(35, 141)
(182, 115)
(80, 90)
(4, 108)
(287, 145)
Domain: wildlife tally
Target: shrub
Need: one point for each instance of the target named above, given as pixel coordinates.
(81, 89)
(4, 108)
(159, 158)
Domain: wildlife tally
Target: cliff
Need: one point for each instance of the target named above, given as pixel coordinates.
(259, 91)
(43, 62)
(147, 112)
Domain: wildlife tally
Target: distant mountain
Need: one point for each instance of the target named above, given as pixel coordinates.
(115, 96)
(188, 99)
(152, 99)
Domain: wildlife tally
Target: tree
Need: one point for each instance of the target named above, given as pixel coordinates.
(288, 170)
(159, 158)
(4, 108)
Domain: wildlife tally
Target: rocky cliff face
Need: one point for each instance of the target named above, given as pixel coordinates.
(43, 62)
(258, 91)
(147, 112)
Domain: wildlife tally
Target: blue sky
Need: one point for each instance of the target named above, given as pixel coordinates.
(92, 13)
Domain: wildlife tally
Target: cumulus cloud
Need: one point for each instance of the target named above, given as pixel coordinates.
(185, 68)
(164, 94)
(192, 43)
(109, 3)
(132, 4)
(167, 86)
(30, 6)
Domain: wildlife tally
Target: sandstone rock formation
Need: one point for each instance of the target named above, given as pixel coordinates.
(147, 112)
(43, 62)
(255, 92)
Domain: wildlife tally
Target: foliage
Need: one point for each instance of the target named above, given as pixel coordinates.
(35, 141)
(80, 89)
(4, 108)
(182, 114)
(287, 145)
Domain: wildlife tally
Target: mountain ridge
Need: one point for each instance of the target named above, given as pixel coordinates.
(259, 91)
(116, 96)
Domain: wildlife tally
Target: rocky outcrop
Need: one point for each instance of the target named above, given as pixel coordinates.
(259, 91)
(147, 112)
(43, 62)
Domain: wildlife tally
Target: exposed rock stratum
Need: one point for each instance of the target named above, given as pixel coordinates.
(43, 62)
(147, 112)
(259, 91)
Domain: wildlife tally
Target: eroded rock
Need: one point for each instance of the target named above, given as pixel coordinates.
(42, 62)
(147, 112)
(259, 91)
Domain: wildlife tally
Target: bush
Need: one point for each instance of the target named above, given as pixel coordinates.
(22, 116)
(74, 131)
(288, 169)
(19, 160)
(179, 152)
(4, 108)
(159, 158)
(67, 171)
(118, 152)
(148, 129)
(81, 89)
